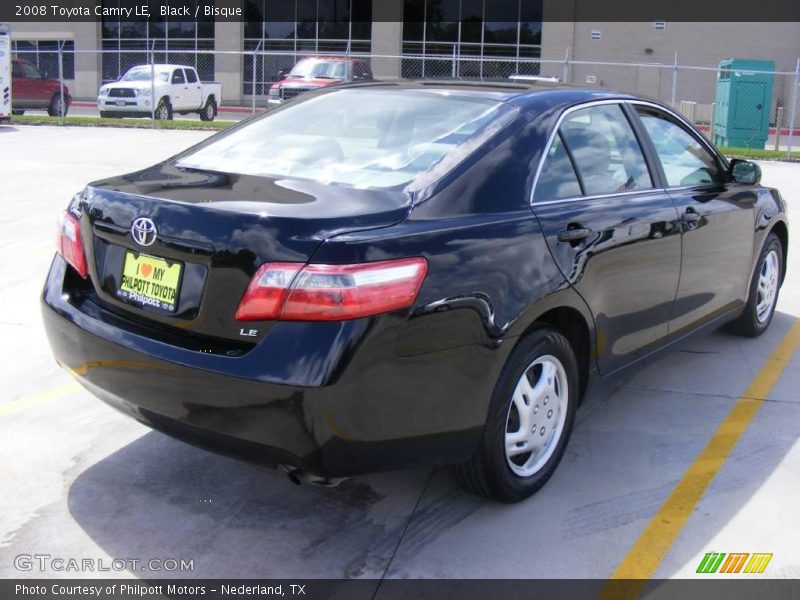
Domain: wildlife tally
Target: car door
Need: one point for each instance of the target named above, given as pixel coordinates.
(29, 88)
(193, 93)
(611, 230)
(177, 83)
(717, 221)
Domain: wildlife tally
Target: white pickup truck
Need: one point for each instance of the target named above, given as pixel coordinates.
(176, 89)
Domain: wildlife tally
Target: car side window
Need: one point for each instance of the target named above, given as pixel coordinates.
(339, 71)
(30, 71)
(16, 70)
(177, 76)
(605, 150)
(557, 179)
(685, 160)
(191, 76)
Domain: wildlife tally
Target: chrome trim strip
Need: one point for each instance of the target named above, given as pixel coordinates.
(619, 101)
(599, 196)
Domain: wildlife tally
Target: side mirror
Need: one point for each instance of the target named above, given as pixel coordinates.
(744, 171)
(281, 75)
(44, 75)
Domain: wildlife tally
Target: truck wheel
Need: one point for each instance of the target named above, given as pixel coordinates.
(529, 422)
(164, 110)
(209, 111)
(57, 108)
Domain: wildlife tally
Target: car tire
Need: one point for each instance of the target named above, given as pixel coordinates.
(56, 107)
(163, 111)
(209, 111)
(104, 114)
(17, 112)
(540, 379)
(764, 289)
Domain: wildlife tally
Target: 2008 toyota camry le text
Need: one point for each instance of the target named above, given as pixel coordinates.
(382, 275)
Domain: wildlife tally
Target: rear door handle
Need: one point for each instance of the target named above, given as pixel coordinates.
(690, 215)
(574, 235)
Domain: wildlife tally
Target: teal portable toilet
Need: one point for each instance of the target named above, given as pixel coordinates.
(744, 103)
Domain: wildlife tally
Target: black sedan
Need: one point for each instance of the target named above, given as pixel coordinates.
(380, 276)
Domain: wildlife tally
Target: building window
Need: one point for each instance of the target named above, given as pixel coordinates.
(44, 54)
(471, 38)
(126, 42)
(288, 30)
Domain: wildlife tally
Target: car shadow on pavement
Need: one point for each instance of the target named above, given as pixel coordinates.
(158, 497)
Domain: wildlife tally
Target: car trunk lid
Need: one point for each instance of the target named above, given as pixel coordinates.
(219, 228)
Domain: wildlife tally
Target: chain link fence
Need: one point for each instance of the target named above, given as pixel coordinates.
(734, 107)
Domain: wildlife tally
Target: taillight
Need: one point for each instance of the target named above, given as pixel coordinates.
(70, 244)
(293, 292)
(264, 296)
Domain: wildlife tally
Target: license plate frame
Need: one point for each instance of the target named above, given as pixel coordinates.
(142, 285)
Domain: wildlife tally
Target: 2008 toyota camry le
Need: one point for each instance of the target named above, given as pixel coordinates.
(384, 275)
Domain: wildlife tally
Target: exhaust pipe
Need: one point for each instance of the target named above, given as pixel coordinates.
(300, 476)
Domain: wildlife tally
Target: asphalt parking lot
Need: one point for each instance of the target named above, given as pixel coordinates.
(80, 480)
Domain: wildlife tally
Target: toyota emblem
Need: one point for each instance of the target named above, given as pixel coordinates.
(143, 231)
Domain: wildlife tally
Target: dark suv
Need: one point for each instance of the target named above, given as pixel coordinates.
(314, 73)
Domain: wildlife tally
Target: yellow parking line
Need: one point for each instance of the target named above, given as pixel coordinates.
(655, 541)
(23, 403)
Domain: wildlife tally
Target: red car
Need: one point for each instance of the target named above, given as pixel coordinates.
(31, 89)
(314, 73)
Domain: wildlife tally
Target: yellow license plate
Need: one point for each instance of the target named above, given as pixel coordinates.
(150, 281)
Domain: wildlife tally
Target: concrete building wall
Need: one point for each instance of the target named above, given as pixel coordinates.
(696, 44)
(229, 36)
(387, 37)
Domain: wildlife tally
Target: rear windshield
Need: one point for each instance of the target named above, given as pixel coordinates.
(362, 138)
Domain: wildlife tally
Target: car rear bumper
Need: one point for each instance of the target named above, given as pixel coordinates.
(351, 406)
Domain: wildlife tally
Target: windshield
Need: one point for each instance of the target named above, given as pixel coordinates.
(319, 69)
(143, 74)
(363, 138)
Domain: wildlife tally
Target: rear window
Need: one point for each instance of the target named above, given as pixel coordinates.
(361, 138)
